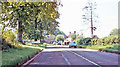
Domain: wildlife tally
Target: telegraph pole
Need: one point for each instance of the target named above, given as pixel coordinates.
(89, 10)
(91, 23)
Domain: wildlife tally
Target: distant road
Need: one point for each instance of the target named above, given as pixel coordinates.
(62, 55)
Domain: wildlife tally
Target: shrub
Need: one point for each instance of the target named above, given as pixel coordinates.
(106, 40)
(8, 36)
(85, 41)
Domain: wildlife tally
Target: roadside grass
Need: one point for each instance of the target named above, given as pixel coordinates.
(82, 46)
(14, 56)
(39, 46)
(110, 48)
(113, 48)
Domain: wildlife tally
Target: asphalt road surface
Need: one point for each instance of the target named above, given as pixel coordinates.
(63, 55)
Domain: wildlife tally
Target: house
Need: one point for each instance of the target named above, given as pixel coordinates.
(68, 38)
(95, 36)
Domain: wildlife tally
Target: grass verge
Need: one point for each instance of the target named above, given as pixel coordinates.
(14, 56)
(108, 48)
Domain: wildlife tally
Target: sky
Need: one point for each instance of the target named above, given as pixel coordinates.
(71, 17)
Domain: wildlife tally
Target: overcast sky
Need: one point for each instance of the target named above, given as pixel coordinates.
(71, 17)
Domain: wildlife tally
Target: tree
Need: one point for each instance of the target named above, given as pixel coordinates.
(31, 18)
(16, 13)
(73, 36)
(45, 20)
(115, 32)
(59, 38)
(58, 32)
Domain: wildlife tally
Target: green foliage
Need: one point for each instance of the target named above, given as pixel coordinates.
(5, 45)
(106, 40)
(115, 32)
(113, 48)
(82, 46)
(59, 38)
(8, 40)
(8, 36)
(110, 43)
(80, 37)
(58, 32)
(73, 36)
(84, 41)
(33, 17)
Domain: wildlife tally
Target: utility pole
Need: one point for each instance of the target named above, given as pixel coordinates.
(89, 16)
(91, 22)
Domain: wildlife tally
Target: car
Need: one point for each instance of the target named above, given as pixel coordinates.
(72, 44)
(54, 43)
(59, 43)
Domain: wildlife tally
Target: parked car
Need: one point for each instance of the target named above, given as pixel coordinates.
(59, 43)
(72, 44)
(54, 43)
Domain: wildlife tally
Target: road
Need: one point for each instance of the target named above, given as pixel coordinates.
(62, 55)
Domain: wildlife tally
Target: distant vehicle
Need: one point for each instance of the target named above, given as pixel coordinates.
(54, 43)
(72, 44)
(59, 43)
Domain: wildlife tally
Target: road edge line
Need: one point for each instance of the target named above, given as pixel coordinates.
(86, 59)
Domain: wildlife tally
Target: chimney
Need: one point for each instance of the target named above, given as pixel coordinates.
(74, 32)
(69, 35)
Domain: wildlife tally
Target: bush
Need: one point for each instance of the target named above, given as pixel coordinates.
(85, 41)
(8, 36)
(59, 38)
(106, 40)
(96, 41)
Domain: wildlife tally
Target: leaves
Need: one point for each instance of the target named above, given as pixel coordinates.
(59, 38)
(115, 32)
(35, 17)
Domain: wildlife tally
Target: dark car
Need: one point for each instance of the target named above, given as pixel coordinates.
(72, 44)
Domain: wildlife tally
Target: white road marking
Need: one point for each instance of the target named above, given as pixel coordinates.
(86, 59)
(66, 59)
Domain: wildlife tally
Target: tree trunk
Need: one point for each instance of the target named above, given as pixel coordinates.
(19, 32)
(35, 29)
(41, 35)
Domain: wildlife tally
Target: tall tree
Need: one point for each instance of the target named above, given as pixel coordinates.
(39, 15)
(14, 12)
(44, 18)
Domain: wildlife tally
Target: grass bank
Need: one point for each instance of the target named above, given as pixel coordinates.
(108, 48)
(14, 56)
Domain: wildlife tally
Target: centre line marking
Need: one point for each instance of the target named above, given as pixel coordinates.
(86, 59)
(66, 59)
